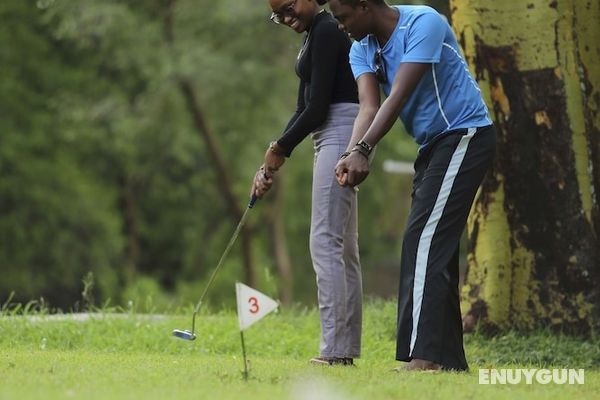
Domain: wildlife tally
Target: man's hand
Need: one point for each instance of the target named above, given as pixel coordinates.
(352, 170)
(262, 183)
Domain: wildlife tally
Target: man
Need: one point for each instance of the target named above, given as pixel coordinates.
(411, 52)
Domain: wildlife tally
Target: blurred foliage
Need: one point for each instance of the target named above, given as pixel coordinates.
(103, 171)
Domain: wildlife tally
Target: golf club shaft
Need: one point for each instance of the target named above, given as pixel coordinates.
(227, 249)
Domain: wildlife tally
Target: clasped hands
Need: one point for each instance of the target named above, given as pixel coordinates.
(352, 169)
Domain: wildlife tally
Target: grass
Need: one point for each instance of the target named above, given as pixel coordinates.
(133, 356)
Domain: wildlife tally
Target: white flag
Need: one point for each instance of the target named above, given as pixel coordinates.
(252, 305)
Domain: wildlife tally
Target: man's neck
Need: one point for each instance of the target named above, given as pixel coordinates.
(387, 18)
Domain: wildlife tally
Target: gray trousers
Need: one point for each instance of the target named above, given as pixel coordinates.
(334, 239)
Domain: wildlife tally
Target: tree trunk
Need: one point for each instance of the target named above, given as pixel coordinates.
(132, 234)
(535, 227)
(224, 182)
(278, 242)
(217, 160)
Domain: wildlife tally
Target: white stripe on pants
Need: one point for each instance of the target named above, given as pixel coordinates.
(334, 239)
(429, 230)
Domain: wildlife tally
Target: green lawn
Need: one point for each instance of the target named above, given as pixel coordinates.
(134, 356)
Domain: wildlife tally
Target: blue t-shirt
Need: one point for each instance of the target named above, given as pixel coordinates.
(447, 97)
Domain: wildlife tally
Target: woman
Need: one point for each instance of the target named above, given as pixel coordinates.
(327, 107)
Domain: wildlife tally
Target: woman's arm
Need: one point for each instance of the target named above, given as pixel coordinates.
(325, 48)
(300, 106)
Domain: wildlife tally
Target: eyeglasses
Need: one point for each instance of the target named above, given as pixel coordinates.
(380, 73)
(287, 11)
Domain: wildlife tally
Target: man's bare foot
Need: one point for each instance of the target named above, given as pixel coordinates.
(422, 365)
(468, 323)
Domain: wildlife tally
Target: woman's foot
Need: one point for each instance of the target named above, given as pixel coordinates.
(331, 361)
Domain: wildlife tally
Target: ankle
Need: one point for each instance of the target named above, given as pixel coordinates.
(417, 364)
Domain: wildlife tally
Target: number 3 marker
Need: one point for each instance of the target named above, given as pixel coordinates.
(253, 305)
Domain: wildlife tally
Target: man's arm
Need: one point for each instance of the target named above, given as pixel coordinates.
(370, 100)
(353, 169)
(407, 78)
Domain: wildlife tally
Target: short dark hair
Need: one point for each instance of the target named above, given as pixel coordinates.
(351, 3)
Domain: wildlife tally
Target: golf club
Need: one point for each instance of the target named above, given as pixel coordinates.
(189, 335)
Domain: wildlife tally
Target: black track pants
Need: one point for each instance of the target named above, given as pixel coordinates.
(447, 175)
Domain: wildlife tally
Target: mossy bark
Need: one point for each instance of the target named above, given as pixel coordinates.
(535, 227)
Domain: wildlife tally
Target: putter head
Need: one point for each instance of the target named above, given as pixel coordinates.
(185, 335)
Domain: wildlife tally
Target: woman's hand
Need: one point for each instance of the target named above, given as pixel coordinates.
(274, 158)
(263, 179)
(262, 183)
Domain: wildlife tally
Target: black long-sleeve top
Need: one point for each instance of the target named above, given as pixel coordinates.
(325, 78)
